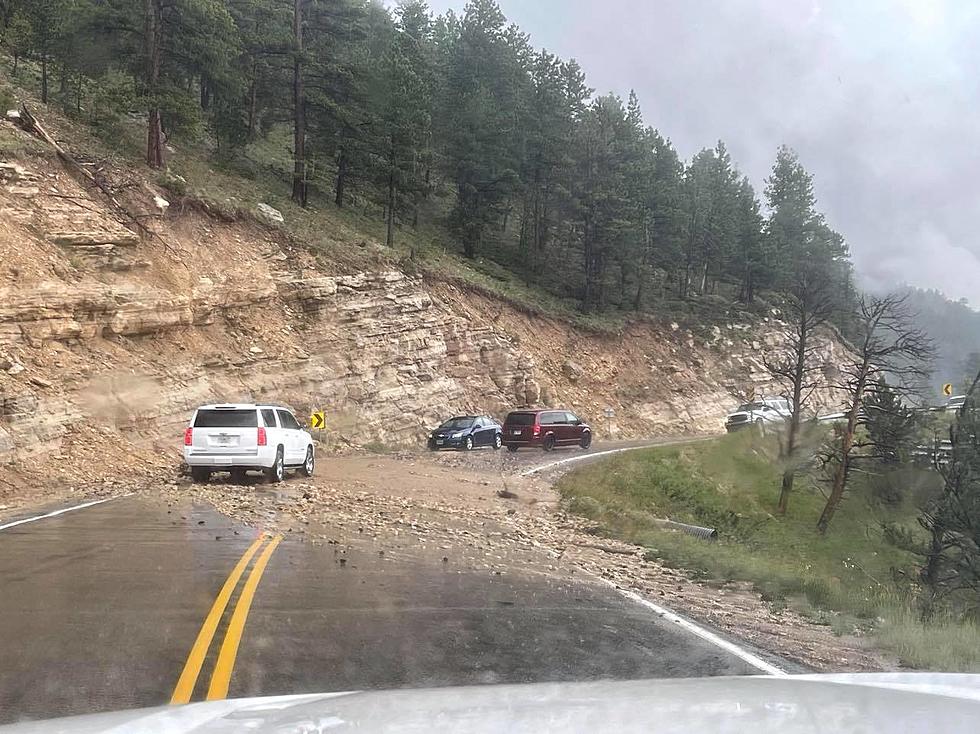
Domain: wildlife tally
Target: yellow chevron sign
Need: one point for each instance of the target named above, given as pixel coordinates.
(948, 389)
(318, 420)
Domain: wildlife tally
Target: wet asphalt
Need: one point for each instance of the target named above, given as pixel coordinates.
(100, 607)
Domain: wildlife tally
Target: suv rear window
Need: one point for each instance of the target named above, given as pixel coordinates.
(520, 419)
(226, 419)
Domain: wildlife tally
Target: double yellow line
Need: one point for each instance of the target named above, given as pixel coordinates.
(221, 676)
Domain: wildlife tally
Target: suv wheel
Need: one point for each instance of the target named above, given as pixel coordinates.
(276, 472)
(200, 475)
(586, 440)
(498, 441)
(309, 464)
(549, 442)
(468, 444)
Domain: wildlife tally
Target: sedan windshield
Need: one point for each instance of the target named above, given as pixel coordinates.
(456, 424)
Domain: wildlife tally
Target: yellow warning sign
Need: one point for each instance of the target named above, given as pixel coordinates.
(318, 420)
(948, 389)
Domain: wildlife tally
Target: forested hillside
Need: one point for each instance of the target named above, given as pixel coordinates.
(956, 329)
(455, 121)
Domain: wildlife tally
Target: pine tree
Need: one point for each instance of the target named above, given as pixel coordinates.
(891, 424)
(402, 110)
(165, 43)
(952, 520)
(481, 104)
(18, 35)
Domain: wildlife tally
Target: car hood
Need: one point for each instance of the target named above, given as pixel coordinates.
(946, 703)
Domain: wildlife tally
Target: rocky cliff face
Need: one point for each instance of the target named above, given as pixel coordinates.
(121, 335)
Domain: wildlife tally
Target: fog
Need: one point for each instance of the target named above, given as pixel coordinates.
(879, 99)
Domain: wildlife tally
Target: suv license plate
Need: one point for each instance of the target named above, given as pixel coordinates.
(439, 442)
(516, 433)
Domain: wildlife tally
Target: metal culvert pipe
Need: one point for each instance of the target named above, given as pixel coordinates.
(696, 530)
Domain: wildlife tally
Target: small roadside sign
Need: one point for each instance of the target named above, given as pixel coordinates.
(609, 412)
(318, 420)
(948, 389)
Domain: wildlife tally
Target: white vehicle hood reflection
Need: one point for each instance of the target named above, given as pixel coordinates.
(900, 702)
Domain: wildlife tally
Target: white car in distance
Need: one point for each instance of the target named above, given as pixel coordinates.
(237, 438)
(759, 413)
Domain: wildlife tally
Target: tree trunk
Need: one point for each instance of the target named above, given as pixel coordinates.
(154, 126)
(299, 109)
(205, 93)
(930, 573)
(799, 372)
(252, 95)
(44, 78)
(390, 240)
(588, 257)
(341, 187)
(846, 444)
(785, 490)
(16, 61)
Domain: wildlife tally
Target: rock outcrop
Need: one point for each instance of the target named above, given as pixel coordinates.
(218, 311)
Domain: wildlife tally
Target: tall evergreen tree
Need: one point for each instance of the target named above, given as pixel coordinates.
(481, 103)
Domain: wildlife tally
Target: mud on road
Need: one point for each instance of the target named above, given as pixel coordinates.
(482, 512)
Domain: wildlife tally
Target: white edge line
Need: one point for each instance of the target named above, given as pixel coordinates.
(706, 635)
(62, 511)
(583, 457)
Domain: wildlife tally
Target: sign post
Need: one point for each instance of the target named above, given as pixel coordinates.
(610, 413)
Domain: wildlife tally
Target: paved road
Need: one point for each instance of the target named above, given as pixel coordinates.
(103, 609)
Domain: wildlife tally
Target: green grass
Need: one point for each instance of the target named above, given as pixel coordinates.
(843, 579)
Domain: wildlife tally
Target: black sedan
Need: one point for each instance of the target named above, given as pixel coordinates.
(467, 432)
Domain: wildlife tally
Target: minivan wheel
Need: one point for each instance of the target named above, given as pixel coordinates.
(497, 441)
(512, 448)
(309, 464)
(549, 443)
(586, 440)
(200, 475)
(468, 444)
(276, 472)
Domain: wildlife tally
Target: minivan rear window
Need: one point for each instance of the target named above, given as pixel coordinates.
(520, 419)
(226, 419)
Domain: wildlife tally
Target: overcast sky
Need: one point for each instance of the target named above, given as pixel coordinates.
(880, 99)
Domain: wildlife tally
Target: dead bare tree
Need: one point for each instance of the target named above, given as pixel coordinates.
(795, 367)
(889, 346)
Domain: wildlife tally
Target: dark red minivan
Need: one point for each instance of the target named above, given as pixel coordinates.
(545, 429)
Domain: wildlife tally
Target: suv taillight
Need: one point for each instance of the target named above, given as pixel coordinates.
(261, 437)
(188, 436)
(537, 428)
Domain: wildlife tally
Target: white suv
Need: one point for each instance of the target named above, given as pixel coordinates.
(759, 413)
(238, 438)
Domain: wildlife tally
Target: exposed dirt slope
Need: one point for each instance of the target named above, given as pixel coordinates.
(109, 336)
